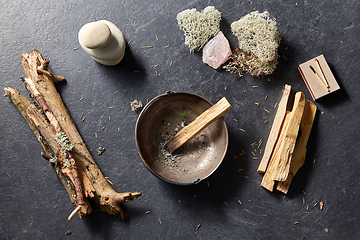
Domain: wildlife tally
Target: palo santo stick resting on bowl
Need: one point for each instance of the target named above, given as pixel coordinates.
(199, 124)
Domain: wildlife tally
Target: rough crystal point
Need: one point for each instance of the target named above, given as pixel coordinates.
(217, 51)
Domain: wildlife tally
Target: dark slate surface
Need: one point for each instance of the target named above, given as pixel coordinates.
(33, 202)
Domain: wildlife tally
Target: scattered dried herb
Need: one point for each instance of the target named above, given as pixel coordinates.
(136, 105)
(198, 226)
(100, 150)
(107, 179)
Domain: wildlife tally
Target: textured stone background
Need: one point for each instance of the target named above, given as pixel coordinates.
(33, 202)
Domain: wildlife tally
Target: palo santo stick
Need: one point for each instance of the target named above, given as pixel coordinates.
(199, 124)
(267, 181)
(300, 146)
(275, 130)
(288, 144)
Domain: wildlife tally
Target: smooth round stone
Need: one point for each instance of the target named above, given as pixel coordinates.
(95, 35)
(109, 62)
(110, 54)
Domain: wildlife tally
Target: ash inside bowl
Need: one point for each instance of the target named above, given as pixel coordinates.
(177, 160)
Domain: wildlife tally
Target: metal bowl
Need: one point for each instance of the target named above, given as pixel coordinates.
(160, 120)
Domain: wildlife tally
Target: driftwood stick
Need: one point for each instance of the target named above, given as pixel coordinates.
(77, 180)
(47, 135)
(73, 158)
(29, 112)
(103, 193)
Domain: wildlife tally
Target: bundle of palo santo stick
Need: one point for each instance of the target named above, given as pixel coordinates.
(64, 148)
(285, 149)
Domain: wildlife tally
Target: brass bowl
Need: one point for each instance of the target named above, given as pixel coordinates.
(160, 120)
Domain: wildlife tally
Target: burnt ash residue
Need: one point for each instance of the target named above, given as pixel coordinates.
(173, 160)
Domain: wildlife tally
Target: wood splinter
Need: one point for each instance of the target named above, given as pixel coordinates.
(74, 212)
(75, 166)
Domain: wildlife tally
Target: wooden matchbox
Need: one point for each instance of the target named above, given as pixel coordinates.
(318, 77)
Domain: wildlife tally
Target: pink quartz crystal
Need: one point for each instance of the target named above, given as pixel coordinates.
(217, 51)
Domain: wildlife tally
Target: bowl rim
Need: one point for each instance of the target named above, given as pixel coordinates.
(147, 106)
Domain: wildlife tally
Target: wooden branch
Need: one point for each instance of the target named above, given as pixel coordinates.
(275, 130)
(99, 188)
(35, 120)
(75, 162)
(77, 180)
(199, 124)
(47, 135)
(300, 147)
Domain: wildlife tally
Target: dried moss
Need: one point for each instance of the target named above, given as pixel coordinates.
(54, 160)
(258, 44)
(199, 27)
(136, 105)
(100, 150)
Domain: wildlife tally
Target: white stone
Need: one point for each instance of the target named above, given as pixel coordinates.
(217, 51)
(107, 49)
(95, 35)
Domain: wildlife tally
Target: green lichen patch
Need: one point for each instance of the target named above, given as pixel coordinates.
(63, 141)
(67, 163)
(54, 160)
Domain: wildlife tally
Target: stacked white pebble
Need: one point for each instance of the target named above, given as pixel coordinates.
(103, 41)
